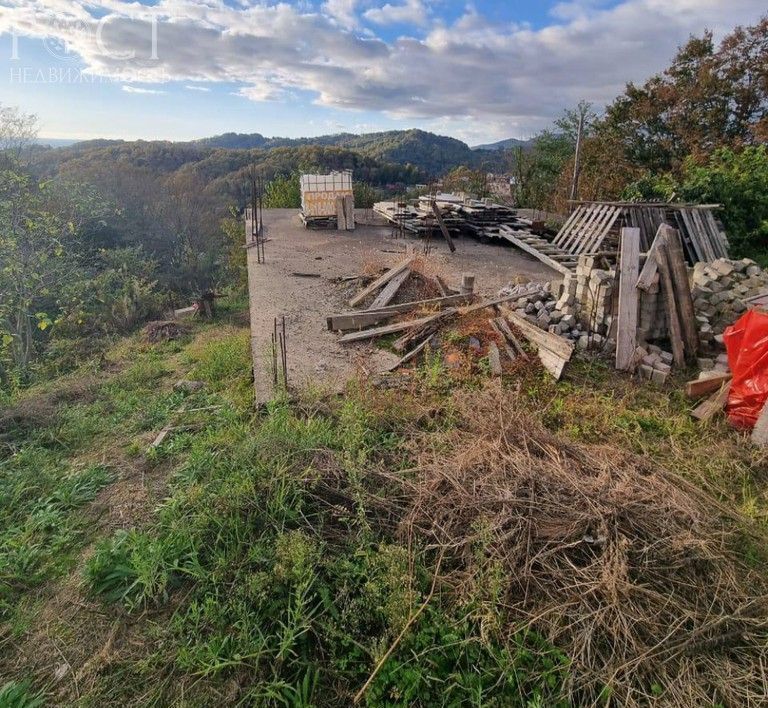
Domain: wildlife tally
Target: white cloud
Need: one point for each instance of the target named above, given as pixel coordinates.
(469, 73)
(197, 88)
(344, 12)
(137, 89)
(412, 12)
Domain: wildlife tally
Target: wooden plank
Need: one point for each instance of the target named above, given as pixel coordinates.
(390, 290)
(553, 363)
(760, 431)
(556, 344)
(494, 359)
(390, 329)
(592, 232)
(701, 387)
(673, 323)
(682, 291)
(713, 405)
(719, 235)
(512, 238)
(578, 228)
(381, 281)
(511, 354)
(651, 267)
(411, 354)
(441, 224)
(626, 336)
(510, 336)
(583, 226)
(441, 286)
(367, 318)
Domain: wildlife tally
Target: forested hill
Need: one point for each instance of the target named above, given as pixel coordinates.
(432, 154)
(400, 158)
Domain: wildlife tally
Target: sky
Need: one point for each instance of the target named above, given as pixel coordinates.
(479, 71)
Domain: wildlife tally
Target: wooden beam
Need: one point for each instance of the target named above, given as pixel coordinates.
(558, 345)
(701, 387)
(522, 245)
(629, 263)
(553, 363)
(511, 353)
(367, 318)
(412, 354)
(650, 268)
(390, 290)
(381, 281)
(390, 329)
(441, 223)
(713, 405)
(682, 291)
(510, 337)
(668, 291)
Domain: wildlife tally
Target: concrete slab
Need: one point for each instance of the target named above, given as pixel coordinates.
(314, 354)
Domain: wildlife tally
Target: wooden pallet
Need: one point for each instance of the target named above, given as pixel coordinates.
(585, 230)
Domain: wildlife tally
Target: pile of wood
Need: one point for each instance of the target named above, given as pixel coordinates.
(433, 314)
(665, 268)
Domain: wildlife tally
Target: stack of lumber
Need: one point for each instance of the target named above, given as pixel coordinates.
(703, 238)
(664, 268)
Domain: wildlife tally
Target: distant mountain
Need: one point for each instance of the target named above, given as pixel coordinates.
(432, 154)
(504, 144)
(54, 142)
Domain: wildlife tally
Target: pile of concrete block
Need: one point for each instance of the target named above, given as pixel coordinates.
(719, 290)
(557, 315)
(594, 296)
(653, 363)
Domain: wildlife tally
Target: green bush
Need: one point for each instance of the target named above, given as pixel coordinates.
(738, 181)
(283, 192)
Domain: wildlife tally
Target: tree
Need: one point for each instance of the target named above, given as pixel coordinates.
(464, 179)
(283, 192)
(739, 181)
(708, 97)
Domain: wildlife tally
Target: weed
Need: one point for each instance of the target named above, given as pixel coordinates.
(16, 694)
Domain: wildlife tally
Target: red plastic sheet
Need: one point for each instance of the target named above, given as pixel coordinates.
(747, 344)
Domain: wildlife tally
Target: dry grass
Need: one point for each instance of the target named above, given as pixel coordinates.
(623, 565)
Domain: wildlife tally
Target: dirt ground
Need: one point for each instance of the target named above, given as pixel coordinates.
(314, 354)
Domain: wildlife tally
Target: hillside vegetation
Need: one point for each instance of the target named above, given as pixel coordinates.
(279, 557)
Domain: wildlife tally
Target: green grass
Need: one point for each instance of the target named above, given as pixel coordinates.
(267, 574)
(291, 598)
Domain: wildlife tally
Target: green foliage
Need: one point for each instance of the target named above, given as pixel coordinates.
(738, 181)
(283, 192)
(365, 195)
(297, 598)
(15, 694)
(122, 293)
(444, 661)
(464, 179)
(39, 525)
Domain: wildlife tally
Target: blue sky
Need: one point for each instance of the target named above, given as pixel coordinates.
(479, 71)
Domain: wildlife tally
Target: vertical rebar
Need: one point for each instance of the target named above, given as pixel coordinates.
(285, 357)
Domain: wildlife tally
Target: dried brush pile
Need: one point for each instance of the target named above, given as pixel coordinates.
(620, 564)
